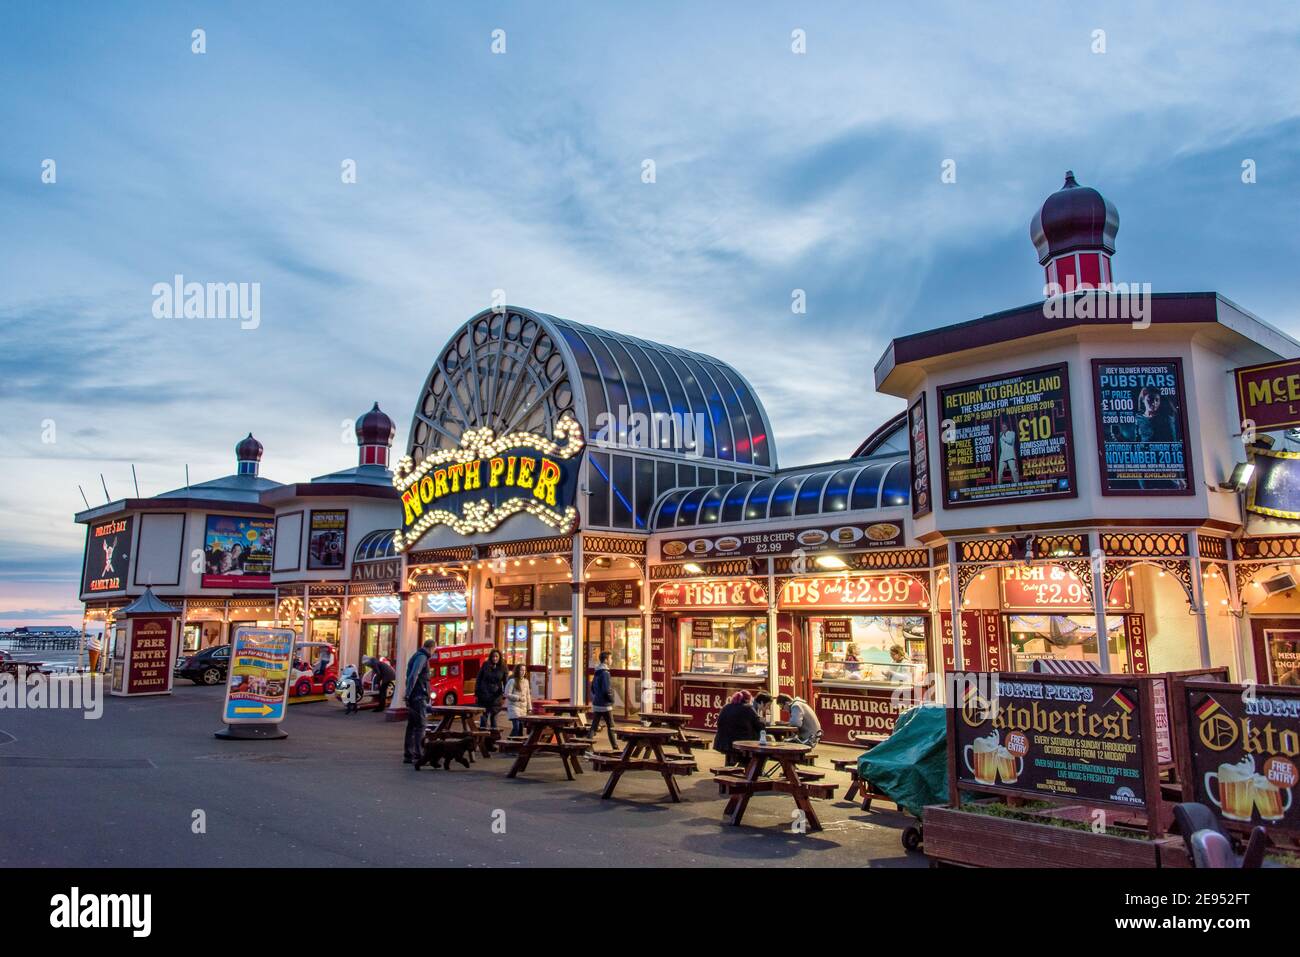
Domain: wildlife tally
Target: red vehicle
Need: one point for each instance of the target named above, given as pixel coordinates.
(307, 677)
(452, 671)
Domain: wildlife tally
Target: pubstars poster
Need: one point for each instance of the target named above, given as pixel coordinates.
(1007, 438)
(1141, 427)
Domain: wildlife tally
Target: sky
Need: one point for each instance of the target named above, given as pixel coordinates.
(503, 146)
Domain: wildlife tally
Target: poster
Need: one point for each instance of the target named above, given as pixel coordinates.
(257, 687)
(846, 714)
(1283, 647)
(1054, 738)
(1010, 438)
(237, 552)
(328, 539)
(149, 664)
(918, 432)
(1242, 751)
(1275, 489)
(1141, 427)
(108, 555)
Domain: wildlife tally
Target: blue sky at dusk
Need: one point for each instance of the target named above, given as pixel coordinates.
(522, 171)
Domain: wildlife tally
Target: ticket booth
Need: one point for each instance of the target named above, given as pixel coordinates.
(145, 637)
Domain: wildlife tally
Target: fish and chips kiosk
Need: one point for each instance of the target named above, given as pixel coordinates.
(143, 647)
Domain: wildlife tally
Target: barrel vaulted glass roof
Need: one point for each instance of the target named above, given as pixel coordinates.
(515, 369)
(853, 485)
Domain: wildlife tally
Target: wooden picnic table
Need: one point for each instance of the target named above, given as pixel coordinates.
(802, 786)
(643, 751)
(576, 711)
(677, 724)
(780, 731)
(540, 727)
(467, 715)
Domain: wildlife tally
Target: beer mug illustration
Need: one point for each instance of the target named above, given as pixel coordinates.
(1270, 800)
(985, 764)
(1236, 797)
(1008, 771)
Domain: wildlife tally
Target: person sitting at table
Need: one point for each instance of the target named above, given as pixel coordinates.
(737, 721)
(519, 700)
(763, 706)
(808, 730)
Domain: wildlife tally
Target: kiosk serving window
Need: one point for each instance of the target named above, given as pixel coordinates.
(880, 649)
(736, 646)
(1068, 637)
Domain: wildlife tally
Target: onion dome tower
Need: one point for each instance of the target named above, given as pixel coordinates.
(248, 453)
(1074, 233)
(375, 432)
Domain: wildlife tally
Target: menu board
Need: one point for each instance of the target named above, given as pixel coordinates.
(702, 630)
(512, 598)
(108, 554)
(327, 544)
(1076, 740)
(1241, 748)
(658, 661)
(1141, 427)
(1008, 438)
(786, 541)
(918, 434)
(237, 552)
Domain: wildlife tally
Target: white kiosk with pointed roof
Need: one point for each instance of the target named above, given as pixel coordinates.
(144, 646)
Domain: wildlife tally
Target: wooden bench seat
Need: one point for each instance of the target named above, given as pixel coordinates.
(773, 785)
(643, 764)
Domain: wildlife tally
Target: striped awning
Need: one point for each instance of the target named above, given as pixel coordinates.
(1063, 666)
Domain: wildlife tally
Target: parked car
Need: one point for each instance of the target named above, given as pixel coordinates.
(206, 667)
(452, 671)
(304, 679)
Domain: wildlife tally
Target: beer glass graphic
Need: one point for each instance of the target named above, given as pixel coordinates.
(985, 764)
(1236, 797)
(1271, 801)
(1007, 768)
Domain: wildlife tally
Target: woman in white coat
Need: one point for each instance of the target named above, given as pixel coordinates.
(519, 699)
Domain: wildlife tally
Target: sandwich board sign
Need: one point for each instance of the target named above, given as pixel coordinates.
(257, 684)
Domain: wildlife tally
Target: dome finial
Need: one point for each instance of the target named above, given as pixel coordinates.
(1074, 233)
(375, 432)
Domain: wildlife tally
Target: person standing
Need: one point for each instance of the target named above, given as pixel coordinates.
(417, 700)
(489, 688)
(519, 700)
(602, 700)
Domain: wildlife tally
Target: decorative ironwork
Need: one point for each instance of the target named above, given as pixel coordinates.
(363, 589)
(613, 545)
(1211, 546)
(441, 556)
(967, 574)
(729, 568)
(892, 558)
(1274, 546)
(987, 550)
(1144, 544)
(1060, 546)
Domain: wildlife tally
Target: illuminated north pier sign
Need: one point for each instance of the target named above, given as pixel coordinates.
(475, 487)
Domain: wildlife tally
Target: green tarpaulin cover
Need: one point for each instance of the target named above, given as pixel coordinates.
(911, 765)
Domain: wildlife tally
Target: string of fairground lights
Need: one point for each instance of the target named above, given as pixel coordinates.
(480, 516)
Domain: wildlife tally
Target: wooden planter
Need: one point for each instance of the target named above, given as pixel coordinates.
(981, 840)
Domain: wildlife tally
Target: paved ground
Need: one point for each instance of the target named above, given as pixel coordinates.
(122, 790)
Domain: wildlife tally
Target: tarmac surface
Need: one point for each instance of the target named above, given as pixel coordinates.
(148, 785)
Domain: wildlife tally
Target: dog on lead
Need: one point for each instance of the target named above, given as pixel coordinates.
(444, 751)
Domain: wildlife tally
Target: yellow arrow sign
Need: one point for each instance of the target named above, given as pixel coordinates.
(263, 709)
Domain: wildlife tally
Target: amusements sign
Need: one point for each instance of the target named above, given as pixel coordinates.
(149, 664)
(1011, 441)
(108, 554)
(918, 433)
(1141, 427)
(1241, 751)
(237, 552)
(328, 541)
(1074, 739)
(257, 688)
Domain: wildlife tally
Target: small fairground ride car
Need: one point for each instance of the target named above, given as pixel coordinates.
(308, 677)
(452, 671)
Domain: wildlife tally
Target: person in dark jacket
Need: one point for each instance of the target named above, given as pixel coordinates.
(490, 688)
(417, 700)
(385, 675)
(602, 700)
(737, 721)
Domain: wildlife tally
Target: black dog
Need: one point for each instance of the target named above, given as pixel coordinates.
(445, 750)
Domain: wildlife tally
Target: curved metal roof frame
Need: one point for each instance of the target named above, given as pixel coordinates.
(375, 545)
(667, 512)
(600, 368)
